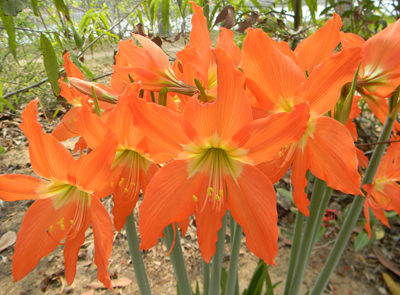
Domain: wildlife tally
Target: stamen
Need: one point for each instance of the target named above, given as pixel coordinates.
(279, 154)
(112, 184)
(121, 182)
(134, 184)
(51, 236)
(72, 222)
(218, 198)
(62, 226)
(51, 228)
(221, 193)
(126, 190)
(195, 198)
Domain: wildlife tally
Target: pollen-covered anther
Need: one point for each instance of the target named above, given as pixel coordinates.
(121, 182)
(221, 193)
(72, 222)
(279, 154)
(134, 184)
(112, 184)
(210, 190)
(217, 198)
(195, 198)
(51, 228)
(61, 223)
(126, 190)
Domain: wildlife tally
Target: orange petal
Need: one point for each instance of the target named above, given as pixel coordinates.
(276, 169)
(33, 242)
(362, 160)
(66, 128)
(301, 164)
(80, 145)
(91, 172)
(252, 203)
(351, 40)
(71, 69)
(392, 191)
(333, 156)
(271, 75)
(90, 126)
(183, 225)
(190, 55)
(71, 95)
(166, 128)
(351, 127)
(322, 88)
(103, 239)
(71, 251)
(199, 35)
(222, 116)
(15, 187)
(168, 199)
(264, 138)
(226, 42)
(314, 49)
(284, 47)
(49, 158)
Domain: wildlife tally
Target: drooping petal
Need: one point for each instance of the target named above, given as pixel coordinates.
(91, 172)
(264, 138)
(301, 163)
(33, 242)
(15, 187)
(168, 199)
(71, 69)
(252, 203)
(276, 169)
(362, 160)
(232, 109)
(49, 158)
(168, 129)
(91, 127)
(71, 251)
(314, 49)
(271, 75)
(226, 42)
(103, 239)
(333, 156)
(323, 87)
(67, 127)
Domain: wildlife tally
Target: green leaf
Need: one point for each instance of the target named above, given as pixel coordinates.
(197, 288)
(87, 72)
(86, 19)
(108, 33)
(78, 39)
(179, 4)
(361, 240)
(56, 112)
(312, 5)
(345, 111)
(104, 20)
(224, 278)
(13, 7)
(257, 4)
(34, 4)
(8, 23)
(3, 101)
(50, 63)
(257, 281)
(61, 7)
(165, 15)
(285, 193)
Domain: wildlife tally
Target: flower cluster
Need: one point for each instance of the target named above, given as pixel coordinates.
(210, 133)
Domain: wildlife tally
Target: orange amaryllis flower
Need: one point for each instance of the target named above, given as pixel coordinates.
(384, 193)
(278, 84)
(214, 146)
(379, 74)
(131, 170)
(67, 195)
(148, 65)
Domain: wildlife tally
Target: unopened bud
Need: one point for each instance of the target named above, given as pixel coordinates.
(86, 88)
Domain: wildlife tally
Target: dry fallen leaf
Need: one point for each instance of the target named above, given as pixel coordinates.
(90, 292)
(119, 283)
(386, 263)
(392, 285)
(7, 240)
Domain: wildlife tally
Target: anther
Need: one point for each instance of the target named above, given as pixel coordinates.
(112, 184)
(121, 182)
(72, 222)
(218, 198)
(279, 154)
(134, 184)
(195, 198)
(51, 228)
(126, 190)
(221, 192)
(62, 226)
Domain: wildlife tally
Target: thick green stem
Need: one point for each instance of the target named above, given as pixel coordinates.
(178, 262)
(234, 264)
(321, 213)
(352, 216)
(232, 227)
(311, 224)
(136, 255)
(295, 250)
(215, 284)
(206, 277)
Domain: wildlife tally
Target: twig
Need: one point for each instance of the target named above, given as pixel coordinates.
(102, 76)
(374, 143)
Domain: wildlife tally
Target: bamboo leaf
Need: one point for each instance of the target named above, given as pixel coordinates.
(103, 19)
(13, 7)
(165, 15)
(61, 7)
(257, 4)
(50, 63)
(9, 26)
(312, 5)
(34, 4)
(3, 101)
(78, 39)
